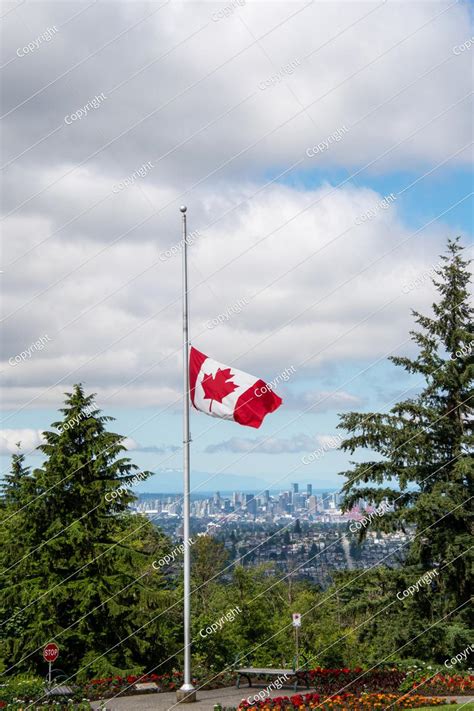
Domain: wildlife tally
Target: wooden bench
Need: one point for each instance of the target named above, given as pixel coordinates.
(248, 672)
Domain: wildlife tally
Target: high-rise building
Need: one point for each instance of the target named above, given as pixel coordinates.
(283, 501)
(312, 504)
(295, 488)
(309, 489)
(251, 504)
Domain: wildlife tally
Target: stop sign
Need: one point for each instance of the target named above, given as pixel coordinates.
(51, 652)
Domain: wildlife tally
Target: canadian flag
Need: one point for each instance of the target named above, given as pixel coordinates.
(229, 393)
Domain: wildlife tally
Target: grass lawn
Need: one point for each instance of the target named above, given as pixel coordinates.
(464, 707)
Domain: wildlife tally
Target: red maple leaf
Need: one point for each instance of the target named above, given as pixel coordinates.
(217, 386)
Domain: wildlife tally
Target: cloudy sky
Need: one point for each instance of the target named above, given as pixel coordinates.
(324, 151)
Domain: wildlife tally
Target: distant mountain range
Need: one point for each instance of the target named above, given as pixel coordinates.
(169, 481)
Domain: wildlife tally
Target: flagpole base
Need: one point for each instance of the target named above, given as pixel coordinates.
(186, 694)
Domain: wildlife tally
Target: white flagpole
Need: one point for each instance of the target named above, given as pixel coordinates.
(187, 692)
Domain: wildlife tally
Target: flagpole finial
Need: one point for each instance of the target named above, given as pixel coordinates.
(183, 208)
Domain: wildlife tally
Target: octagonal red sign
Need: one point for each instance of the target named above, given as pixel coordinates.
(51, 652)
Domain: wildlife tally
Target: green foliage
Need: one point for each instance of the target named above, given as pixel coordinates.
(423, 445)
(76, 565)
(24, 686)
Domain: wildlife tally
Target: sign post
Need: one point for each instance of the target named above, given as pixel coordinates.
(50, 654)
(297, 624)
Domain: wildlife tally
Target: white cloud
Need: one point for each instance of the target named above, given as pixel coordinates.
(132, 445)
(274, 445)
(353, 57)
(312, 277)
(96, 284)
(29, 439)
(322, 401)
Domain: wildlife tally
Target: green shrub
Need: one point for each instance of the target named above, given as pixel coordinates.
(24, 688)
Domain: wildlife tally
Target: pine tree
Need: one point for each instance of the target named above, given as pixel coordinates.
(424, 462)
(18, 484)
(16, 539)
(82, 571)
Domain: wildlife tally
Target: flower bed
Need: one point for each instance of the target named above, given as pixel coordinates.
(344, 702)
(53, 706)
(332, 681)
(114, 685)
(444, 684)
(327, 682)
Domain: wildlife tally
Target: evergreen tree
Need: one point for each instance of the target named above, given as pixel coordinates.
(18, 486)
(16, 539)
(424, 461)
(81, 572)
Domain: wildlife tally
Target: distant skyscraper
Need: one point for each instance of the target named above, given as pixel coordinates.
(251, 504)
(312, 504)
(295, 488)
(309, 489)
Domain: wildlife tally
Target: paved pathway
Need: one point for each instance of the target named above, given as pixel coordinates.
(229, 696)
(162, 702)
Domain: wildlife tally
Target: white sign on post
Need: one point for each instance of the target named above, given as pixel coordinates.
(297, 619)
